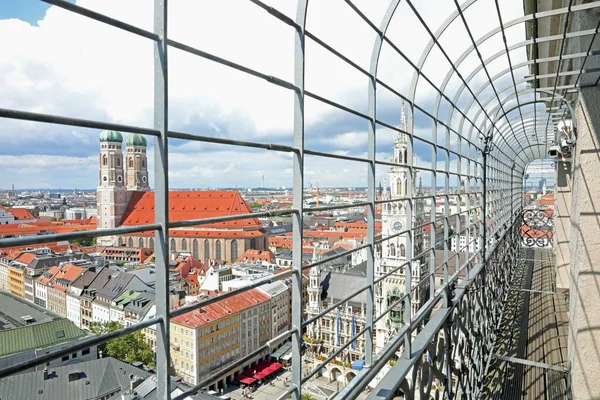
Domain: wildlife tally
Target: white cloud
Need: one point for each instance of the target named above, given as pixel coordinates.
(70, 65)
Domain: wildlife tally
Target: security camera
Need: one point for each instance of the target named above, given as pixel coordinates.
(565, 146)
(554, 151)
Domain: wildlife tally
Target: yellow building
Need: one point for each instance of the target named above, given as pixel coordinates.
(16, 273)
(16, 280)
(205, 341)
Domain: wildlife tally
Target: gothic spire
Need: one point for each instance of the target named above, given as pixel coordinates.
(403, 118)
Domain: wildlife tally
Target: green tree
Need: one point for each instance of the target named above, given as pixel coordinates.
(84, 241)
(307, 396)
(127, 348)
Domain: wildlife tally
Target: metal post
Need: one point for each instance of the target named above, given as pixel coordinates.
(371, 146)
(161, 201)
(298, 194)
(409, 237)
(484, 207)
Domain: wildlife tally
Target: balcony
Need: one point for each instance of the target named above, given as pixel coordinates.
(488, 91)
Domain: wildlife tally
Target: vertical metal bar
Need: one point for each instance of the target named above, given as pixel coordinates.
(161, 198)
(432, 211)
(446, 214)
(298, 200)
(371, 148)
(484, 207)
(409, 236)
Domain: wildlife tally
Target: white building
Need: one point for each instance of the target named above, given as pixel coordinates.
(280, 306)
(6, 217)
(4, 274)
(255, 327)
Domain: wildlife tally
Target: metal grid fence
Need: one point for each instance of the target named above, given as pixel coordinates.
(491, 144)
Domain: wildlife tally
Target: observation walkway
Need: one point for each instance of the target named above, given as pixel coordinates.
(530, 356)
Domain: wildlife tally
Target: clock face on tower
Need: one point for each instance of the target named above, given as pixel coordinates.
(397, 226)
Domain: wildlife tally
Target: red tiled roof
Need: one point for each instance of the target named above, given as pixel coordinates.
(25, 258)
(48, 275)
(256, 255)
(68, 272)
(21, 213)
(27, 229)
(223, 308)
(190, 205)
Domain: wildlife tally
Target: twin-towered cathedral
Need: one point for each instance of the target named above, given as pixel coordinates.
(124, 198)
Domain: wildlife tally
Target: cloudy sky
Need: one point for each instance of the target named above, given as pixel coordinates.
(57, 62)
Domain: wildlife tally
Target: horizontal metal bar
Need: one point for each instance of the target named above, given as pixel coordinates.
(276, 13)
(335, 207)
(392, 271)
(103, 18)
(531, 363)
(337, 53)
(57, 237)
(336, 105)
(231, 64)
(211, 300)
(83, 123)
(387, 310)
(232, 142)
(226, 218)
(74, 347)
(337, 156)
(339, 255)
(231, 368)
(285, 395)
(333, 306)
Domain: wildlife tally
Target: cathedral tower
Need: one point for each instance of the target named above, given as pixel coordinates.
(111, 196)
(136, 162)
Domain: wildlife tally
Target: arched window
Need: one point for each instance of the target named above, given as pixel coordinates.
(400, 157)
(402, 250)
(141, 243)
(130, 242)
(218, 250)
(206, 249)
(195, 249)
(151, 243)
(130, 162)
(183, 245)
(173, 245)
(120, 242)
(234, 250)
(378, 250)
(392, 250)
(399, 187)
(143, 163)
(104, 160)
(118, 161)
(406, 155)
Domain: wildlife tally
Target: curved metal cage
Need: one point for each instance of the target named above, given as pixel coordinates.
(497, 105)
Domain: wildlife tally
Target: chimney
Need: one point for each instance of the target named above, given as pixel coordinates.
(134, 381)
(46, 373)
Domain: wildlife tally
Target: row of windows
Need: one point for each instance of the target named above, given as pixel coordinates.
(184, 247)
(402, 250)
(105, 161)
(218, 248)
